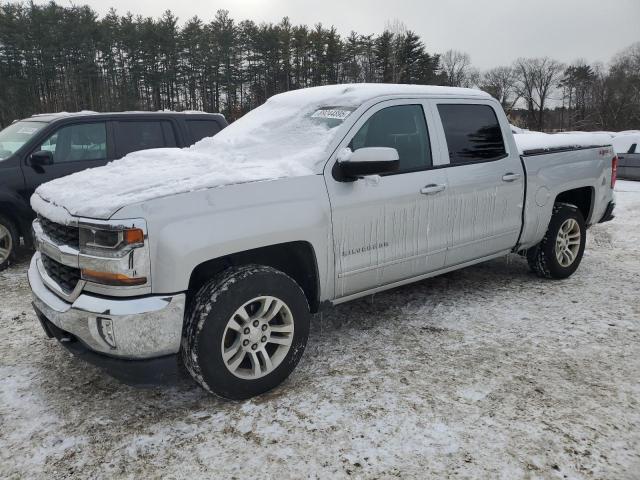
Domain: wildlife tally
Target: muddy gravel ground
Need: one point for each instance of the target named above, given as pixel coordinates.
(488, 372)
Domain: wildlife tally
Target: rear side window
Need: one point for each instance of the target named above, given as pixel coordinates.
(402, 127)
(200, 129)
(142, 135)
(473, 133)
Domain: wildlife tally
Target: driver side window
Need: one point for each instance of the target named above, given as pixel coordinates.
(402, 127)
(50, 143)
(79, 142)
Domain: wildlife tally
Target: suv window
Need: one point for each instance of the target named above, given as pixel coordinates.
(402, 127)
(473, 133)
(142, 135)
(74, 143)
(200, 129)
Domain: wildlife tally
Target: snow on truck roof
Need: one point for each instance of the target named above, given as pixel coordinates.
(356, 94)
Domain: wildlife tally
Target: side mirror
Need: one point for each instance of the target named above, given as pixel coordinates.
(369, 161)
(41, 158)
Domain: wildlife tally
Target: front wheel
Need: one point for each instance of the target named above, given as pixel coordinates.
(9, 241)
(245, 331)
(560, 252)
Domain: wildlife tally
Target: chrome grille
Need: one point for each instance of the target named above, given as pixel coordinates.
(66, 277)
(60, 234)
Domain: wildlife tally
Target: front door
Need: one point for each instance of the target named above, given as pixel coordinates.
(74, 147)
(389, 228)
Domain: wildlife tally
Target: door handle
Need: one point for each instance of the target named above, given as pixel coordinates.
(510, 177)
(432, 188)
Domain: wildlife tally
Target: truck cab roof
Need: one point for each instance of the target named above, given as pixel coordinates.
(358, 93)
(62, 116)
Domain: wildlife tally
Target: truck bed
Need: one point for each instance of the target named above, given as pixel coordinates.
(552, 170)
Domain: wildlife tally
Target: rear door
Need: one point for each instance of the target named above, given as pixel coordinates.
(197, 129)
(485, 180)
(75, 147)
(389, 228)
(142, 134)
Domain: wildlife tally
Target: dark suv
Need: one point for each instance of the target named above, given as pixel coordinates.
(44, 147)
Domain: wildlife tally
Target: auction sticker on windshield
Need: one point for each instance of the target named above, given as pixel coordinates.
(28, 130)
(333, 113)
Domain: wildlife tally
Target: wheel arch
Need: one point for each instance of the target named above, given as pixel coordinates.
(297, 259)
(582, 197)
(14, 212)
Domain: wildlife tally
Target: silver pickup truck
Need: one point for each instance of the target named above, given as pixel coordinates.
(215, 257)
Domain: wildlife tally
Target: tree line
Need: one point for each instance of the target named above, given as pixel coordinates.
(66, 58)
(56, 58)
(544, 94)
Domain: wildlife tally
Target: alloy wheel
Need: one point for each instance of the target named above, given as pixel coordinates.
(257, 337)
(568, 242)
(6, 243)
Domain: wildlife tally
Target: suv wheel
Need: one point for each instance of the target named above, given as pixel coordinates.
(560, 252)
(245, 331)
(9, 241)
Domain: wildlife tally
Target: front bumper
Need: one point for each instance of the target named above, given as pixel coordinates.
(150, 372)
(128, 328)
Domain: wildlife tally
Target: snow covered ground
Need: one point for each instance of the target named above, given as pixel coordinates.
(488, 372)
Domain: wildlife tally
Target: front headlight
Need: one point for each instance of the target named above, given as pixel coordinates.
(109, 242)
(113, 255)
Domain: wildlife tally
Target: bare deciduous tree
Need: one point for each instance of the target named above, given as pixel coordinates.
(616, 93)
(457, 69)
(537, 78)
(501, 83)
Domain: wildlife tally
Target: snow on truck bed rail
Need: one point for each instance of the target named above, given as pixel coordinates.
(287, 136)
(539, 142)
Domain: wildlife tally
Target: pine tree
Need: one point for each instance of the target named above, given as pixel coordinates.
(384, 55)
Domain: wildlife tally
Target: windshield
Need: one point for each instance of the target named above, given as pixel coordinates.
(16, 135)
(278, 133)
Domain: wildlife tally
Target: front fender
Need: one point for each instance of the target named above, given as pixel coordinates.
(189, 229)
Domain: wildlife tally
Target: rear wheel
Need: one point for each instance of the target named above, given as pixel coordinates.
(9, 241)
(560, 252)
(245, 331)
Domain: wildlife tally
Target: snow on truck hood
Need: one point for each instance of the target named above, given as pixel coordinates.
(275, 140)
(287, 136)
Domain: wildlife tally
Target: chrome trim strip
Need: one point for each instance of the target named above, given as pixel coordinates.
(51, 284)
(63, 254)
(107, 306)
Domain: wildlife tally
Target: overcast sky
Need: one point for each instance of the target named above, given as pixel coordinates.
(493, 32)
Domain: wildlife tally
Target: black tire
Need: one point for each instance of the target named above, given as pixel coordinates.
(207, 317)
(542, 258)
(10, 242)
